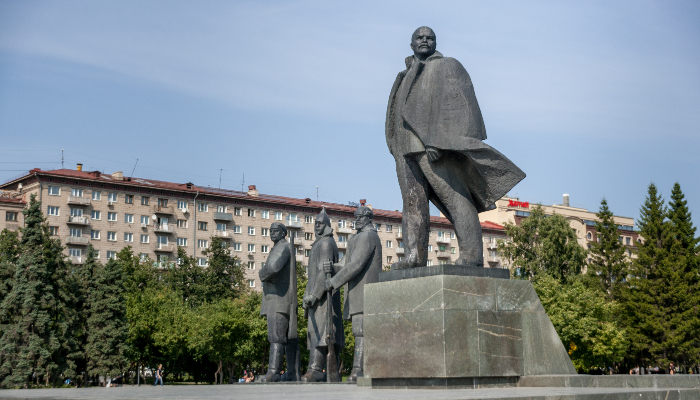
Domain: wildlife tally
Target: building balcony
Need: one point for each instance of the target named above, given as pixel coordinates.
(222, 216)
(223, 234)
(344, 230)
(399, 235)
(80, 201)
(399, 250)
(165, 247)
(164, 229)
(493, 259)
(251, 252)
(76, 259)
(443, 240)
(82, 240)
(298, 241)
(168, 210)
(342, 245)
(443, 254)
(492, 245)
(294, 224)
(78, 220)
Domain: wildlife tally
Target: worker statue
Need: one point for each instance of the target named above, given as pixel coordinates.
(320, 310)
(279, 305)
(435, 131)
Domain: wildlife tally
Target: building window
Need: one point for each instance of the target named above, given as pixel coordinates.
(76, 212)
(251, 213)
(251, 282)
(620, 238)
(221, 209)
(202, 244)
(128, 237)
(251, 230)
(76, 192)
(236, 247)
(430, 247)
(182, 205)
(627, 241)
(52, 210)
(442, 262)
(54, 191)
(111, 255)
(129, 199)
(307, 253)
(96, 195)
(129, 218)
(95, 235)
(265, 248)
(308, 236)
(251, 264)
(10, 216)
(429, 263)
(112, 216)
(441, 247)
(202, 207)
(145, 200)
(265, 214)
(237, 211)
(251, 248)
(400, 245)
(74, 252)
(389, 228)
(265, 231)
(342, 223)
(182, 223)
(389, 244)
(388, 259)
(453, 250)
(112, 197)
(162, 202)
(308, 219)
(341, 255)
(342, 238)
(112, 236)
(143, 257)
(377, 227)
(236, 229)
(452, 235)
(278, 216)
(53, 230)
(144, 220)
(182, 242)
(96, 215)
(221, 227)
(202, 262)
(589, 236)
(76, 232)
(202, 226)
(144, 239)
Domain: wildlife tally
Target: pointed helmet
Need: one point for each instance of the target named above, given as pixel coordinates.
(323, 217)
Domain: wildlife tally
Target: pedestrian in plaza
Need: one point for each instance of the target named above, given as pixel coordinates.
(159, 375)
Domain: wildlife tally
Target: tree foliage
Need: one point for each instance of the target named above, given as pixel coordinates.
(609, 264)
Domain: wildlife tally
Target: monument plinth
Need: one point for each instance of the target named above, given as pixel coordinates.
(462, 328)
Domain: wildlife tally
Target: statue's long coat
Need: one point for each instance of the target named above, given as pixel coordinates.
(361, 265)
(440, 108)
(279, 277)
(323, 249)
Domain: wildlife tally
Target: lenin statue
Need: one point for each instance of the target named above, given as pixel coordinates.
(279, 305)
(361, 265)
(316, 300)
(435, 132)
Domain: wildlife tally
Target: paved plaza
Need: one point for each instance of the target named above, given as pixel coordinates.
(347, 392)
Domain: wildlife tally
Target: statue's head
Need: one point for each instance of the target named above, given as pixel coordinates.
(423, 42)
(277, 231)
(363, 217)
(322, 222)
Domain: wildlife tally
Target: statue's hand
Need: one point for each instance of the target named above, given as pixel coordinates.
(328, 285)
(433, 153)
(310, 301)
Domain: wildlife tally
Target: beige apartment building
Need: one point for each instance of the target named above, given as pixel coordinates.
(582, 221)
(156, 217)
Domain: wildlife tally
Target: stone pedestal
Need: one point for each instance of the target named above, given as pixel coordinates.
(457, 327)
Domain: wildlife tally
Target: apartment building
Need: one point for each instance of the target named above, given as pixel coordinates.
(156, 217)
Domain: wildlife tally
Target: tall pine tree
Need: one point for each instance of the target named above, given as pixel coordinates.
(108, 331)
(609, 264)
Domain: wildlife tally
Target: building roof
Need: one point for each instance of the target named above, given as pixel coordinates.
(202, 190)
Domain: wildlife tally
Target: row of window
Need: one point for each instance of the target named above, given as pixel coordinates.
(11, 216)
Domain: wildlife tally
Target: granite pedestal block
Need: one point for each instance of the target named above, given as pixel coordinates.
(444, 328)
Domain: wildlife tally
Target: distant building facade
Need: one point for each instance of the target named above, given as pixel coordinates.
(156, 217)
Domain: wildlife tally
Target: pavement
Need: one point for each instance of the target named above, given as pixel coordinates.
(348, 392)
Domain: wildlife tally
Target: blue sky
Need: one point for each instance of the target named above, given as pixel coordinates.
(595, 99)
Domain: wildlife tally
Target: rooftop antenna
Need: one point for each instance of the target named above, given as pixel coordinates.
(221, 170)
(243, 182)
(316, 193)
(132, 171)
(61, 158)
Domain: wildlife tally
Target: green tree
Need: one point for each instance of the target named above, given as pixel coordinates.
(9, 253)
(187, 279)
(106, 347)
(224, 274)
(542, 245)
(609, 264)
(585, 321)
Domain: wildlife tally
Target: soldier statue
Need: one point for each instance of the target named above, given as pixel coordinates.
(361, 265)
(279, 305)
(317, 306)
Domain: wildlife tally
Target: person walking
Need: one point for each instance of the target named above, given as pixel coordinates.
(159, 375)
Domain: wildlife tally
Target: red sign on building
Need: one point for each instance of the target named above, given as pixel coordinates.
(515, 203)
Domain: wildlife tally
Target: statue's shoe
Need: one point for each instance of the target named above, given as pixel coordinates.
(354, 374)
(271, 376)
(313, 376)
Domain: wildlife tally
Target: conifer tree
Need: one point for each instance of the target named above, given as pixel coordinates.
(9, 252)
(224, 275)
(29, 341)
(107, 333)
(609, 264)
(84, 275)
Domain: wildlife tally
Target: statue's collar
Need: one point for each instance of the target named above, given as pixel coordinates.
(411, 59)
